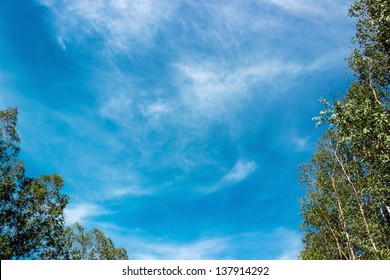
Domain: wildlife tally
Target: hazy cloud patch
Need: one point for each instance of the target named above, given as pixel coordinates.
(118, 23)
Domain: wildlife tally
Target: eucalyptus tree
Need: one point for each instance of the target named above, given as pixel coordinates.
(90, 245)
(32, 224)
(346, 208)
(31, 209)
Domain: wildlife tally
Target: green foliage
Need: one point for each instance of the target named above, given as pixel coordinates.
(92, 245)
(371, 61)
(346, 208)
(32, 211)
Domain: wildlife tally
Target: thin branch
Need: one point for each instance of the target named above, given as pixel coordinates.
(375, 95)
(343, 220)
(357, 199)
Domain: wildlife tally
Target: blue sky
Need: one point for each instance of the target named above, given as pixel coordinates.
(178, 126)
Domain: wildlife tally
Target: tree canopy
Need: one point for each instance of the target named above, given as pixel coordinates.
(92, 245)
(346, 208)
(32, 224)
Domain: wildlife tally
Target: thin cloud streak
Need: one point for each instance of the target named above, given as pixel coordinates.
(279, 244)
(122, 192)
(204, 249)
(312, 8)
(240, 171)
(299, 6)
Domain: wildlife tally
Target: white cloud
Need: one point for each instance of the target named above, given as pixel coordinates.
(290, 243)
(80, 212)
(240, 171)
(118, 107)
(130, 106)
(156, 110)
(296, 140)
(116, 182)
(299, 143)
(212, 88)
(301, 6)
(227, 25)
(203, 249)
(119, 192)
(313, 8)
(278, 244)
(120, 23)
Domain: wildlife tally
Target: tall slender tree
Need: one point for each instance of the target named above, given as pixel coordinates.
(346, 208)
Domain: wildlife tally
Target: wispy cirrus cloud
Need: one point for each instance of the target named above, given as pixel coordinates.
(223, 57)
(155, 110)
(172, 96)
(120, 192)
(118, 23)
(290, 244)
(213, 88)
(310, 7)
(203, 249)
(216, 87)
(299, 6)
(279, 244)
